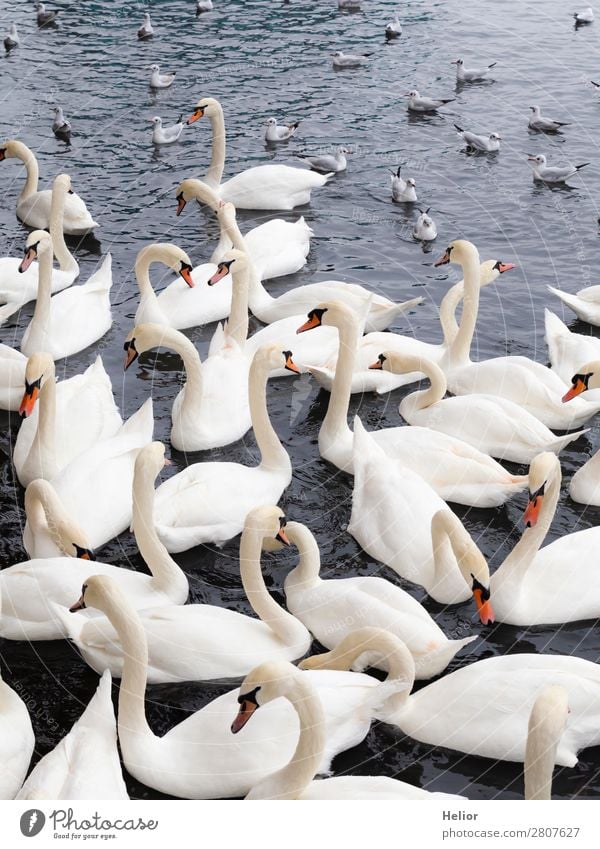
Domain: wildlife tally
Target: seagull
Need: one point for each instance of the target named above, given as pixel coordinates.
(44, 16)
(488, 144)
(329, 162)
(348, 60)
(416, 103)
(279, 132)
(403, 191)
(61, 127)
(12, 40)
(203, 6)
(543, 125)
(470, 75)
(166, 135)
(424, 229)
(146, 32)
(393, 29)
(158, 80)
(586, 16)
(543, 172)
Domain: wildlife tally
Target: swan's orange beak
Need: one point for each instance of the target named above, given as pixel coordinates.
(484, 606)
(246, 710)
(290, 365)
(505, 266)
(85, 553)
(31, 395)
(443, 260)
(575, 390)
(186, 272)
(196, 115)
(30, 256)
(79, 605)
(282, 536)
(532, 511)
(130, 354)
(313, 321)
(377, 365)
(221, 272)
(181, 202)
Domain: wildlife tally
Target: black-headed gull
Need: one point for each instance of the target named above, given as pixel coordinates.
(145, 31)
(547, 174)
(543, 125)
(348, 60)
(166, 135)
(45, 16)
(158, 80)
(586, 16)
(279, 132)
(203, 6)
(425, 229)
(416, 103)
(470, 75)
(61, 127)
(12, 40)
(403, 191)
(488, 144)
(328, 162)
(393, 29)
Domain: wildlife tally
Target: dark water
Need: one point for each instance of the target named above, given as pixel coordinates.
(264, 58)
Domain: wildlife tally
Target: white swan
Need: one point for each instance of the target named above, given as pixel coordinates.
(455, 470)
(49, 530)
(182, 303)
(70, 417)
(73, 319)
(560, 582)
(568, 350)
(330, 609)
(494, 425)
(33, 206)
(12, 378)
(261, 187)
(369, 346)
(208, 502)
(16, 741)
(31, 591)
(585, 303)
(519, 379)
(482, 709)
(268, 683)
(200, 758)
(85, 764)
(395, 515)
(16, 288)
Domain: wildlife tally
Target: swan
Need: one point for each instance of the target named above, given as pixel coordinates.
(518, 379)
(275, 248)
(199, 642)
(85, 764)
(494, 425)
(330, 609)
(558, 583)
(12, 377)
(34, 207)
(364, 380)
(71, 417)
(73, 319)
(272, 682)
(568, 350)
(16, 741)
(482, 709)
(455, 470)
(584, 486)
(399, 520)
(30, 589)
(49, 531)
(199, 758)
(208, 502)
(261, 187)
(585, 303)
(16, 288)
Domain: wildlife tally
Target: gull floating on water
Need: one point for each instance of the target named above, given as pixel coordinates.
(279, 132)
(488, 144)
(45, 16)
(403, 191)
(158, 80)
(12, 40)
(61, 127)
(328, 162)
(586, 16)
(166, 135)
(547, 174)
(349, 60)
(544, 125)
(393, 29)
(416, 103)
(203, 6)
(145, 31)
(470, 75)
(425, 229)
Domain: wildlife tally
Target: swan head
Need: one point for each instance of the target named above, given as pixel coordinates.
(152, 458)
(399, 363)
(540, 159)
(38, 244)
(206, 106)
(587, 377)
(459, 251)
(142, 338)
(99, 591)
(272, 357)
(328, 314)
(192, 189)
(170, 255)
(265, 683)
(39, 368)
(12, 149)
(62, 182)
(543, 468)
(68, 536)
(233, 261)
(268, 523)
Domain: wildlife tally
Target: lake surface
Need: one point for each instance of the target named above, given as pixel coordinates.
(262, 58)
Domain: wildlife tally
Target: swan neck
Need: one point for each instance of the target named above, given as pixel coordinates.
(237, 324)
(543, 738)
(143, 262)
(214, 175)
(46, 429)
(273, 455)
(461, 346)
(192, 391)
(256, 290)
(423, 398)
(41, 313)
(30, 162)
(307, 573)
(448, 308)
(64, 257)
(335, 422)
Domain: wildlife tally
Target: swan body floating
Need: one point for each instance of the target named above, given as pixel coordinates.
(85, 764)
(181, 304)
(585, 303)
(261, 187)
(470, 75)
(33, 206)
(166, 135)
(158, 80)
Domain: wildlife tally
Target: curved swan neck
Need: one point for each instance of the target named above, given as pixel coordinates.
(285, 626)
(41, 313)
(28, 159)
(273, 456)
(447, 311)
(336, 418)
(43, 509)
(45, 438)
(237, 324)
(423, 398)
(65, 258)
(454, 549)
(230, 231)
(143, 261)
(306, 573)
(461, 346)
(192, 391)
(214, 174)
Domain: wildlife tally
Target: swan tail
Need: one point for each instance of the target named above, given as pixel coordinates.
(102, 279)
(568, 299)
(6, 310)
(435, 662)
(554, 326)
(560, 442)
(218, 341)
(141, 420)
(407, 305)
